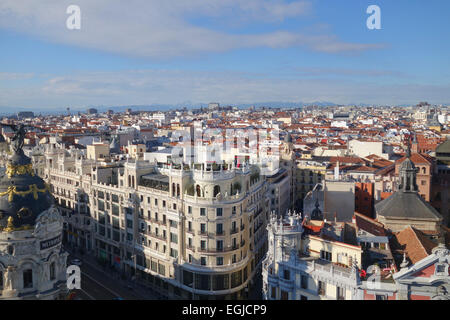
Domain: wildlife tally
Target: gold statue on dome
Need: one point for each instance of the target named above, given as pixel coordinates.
(10, 226)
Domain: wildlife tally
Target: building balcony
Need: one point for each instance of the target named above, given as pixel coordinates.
(217, 250)
(233, 231)
(158, 236)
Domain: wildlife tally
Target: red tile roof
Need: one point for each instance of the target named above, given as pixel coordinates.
(415, 244)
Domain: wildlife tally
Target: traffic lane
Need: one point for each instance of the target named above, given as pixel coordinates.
(95, 289)
(112, 285)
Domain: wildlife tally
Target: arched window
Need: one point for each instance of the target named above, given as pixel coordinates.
(173, 189)
(424, 170)
(178, 190)
(216, 190)
(28, 278)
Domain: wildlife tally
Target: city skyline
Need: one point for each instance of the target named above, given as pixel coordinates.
(234, 52)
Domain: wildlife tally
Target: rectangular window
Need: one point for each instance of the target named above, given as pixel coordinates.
(202, 282)
(129, 223)
(340, 293)
(52, 271)
(219, 244)
(101, 218)
(273, 294)
(220, 282)
(161, 269)
(304, 282)
(236, 279)
(219, 228)
(173, 253)
(203, 211)
(115, 210)
(321, 288)
(287, 275)
(189, 209)
(115, 223)
(173, 237)
(325, 255)
(203, 261)
(219, 261)
(173, 223)
(219, 212)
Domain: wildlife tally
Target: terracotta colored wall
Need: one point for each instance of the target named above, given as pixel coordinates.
(361, 204)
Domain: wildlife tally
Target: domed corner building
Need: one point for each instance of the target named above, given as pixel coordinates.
(32, 261)
(406, 207)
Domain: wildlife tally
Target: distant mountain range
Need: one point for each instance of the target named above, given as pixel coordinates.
(8, 111)
(156, 107)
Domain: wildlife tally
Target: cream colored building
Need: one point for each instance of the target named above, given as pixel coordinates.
(191, 232)
(98, 151)
(136, 151)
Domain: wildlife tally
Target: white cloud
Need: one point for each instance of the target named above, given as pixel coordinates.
(162, 28)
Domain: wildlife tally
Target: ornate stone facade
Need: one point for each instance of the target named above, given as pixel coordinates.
(32, 261)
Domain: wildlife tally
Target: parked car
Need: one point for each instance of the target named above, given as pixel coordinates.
(76, 262)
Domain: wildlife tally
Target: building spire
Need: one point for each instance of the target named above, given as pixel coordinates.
(408, 174)
(408, 151)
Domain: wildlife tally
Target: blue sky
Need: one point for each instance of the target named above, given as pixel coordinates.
(231, 51)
